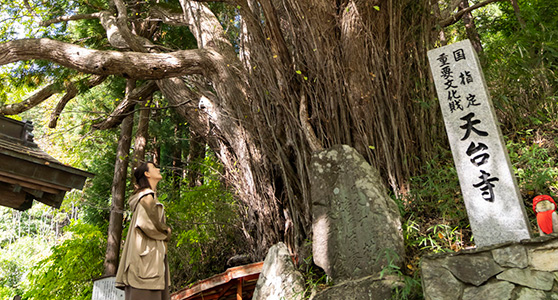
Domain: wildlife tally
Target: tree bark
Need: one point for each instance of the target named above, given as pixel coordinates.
(125, 64)
(176, 163)
(142, 135)
(118, 193)
(470, 27)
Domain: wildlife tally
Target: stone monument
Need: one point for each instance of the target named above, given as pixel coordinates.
(104, 289)
(489, 188)
(356, 225)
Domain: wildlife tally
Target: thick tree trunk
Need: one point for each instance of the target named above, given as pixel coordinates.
(118, 195)
(176, 163)
(142, 135)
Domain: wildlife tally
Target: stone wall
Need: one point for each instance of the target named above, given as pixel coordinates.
(525, 270)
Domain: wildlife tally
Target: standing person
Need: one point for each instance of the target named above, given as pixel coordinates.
(143, 272)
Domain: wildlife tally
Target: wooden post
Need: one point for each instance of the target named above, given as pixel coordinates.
(239, 289)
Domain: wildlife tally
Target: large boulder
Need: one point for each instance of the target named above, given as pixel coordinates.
(356, 225)
(366, 288)
(279, 278)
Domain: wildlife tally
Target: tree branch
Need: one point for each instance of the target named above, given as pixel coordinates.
(118, 35)
(133, 111)
(34, 100)
(457, 16)
(43, 94)
(70, 18)
(168, 17)
(29, 8)
(72, 91)
(136, 96)
(122, 23)
(125, 64)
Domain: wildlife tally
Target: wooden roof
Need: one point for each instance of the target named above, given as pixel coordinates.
(27, 173)
(236, 283)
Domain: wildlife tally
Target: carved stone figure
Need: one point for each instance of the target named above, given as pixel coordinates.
(547, 219)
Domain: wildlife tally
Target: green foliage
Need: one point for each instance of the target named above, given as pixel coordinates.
(67, 273)
(435, 192)
(228, 17)
(17, 22)
(535, 162)
(409, 286)
(315, 277)
(533, 153)
(522, 61)
(204, 222)
(40, 223)
(177, 37)
(434, 218)
(15, 261)
(441, 238)
(97, 194)
(73, 142)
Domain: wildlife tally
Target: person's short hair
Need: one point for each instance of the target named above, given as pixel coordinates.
(141, 179)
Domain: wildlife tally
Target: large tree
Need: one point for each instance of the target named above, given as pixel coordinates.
(266, 87)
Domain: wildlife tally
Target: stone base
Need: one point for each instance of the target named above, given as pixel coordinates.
(366, 288)
(525, 270)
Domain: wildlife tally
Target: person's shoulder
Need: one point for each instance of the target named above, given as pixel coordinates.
(147, 196)
(145, 192)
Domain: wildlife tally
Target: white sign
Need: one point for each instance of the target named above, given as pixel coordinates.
(104, 289)
(489, 188)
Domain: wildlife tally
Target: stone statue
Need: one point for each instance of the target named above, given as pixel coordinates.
(547, 219)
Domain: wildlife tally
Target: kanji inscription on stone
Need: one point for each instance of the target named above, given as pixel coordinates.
(104, 289)
(489, 187)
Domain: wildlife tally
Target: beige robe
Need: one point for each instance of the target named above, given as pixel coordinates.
(142, 264)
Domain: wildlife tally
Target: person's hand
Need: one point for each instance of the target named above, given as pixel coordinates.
(169, 231)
